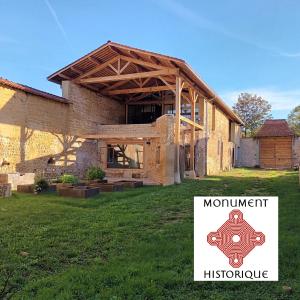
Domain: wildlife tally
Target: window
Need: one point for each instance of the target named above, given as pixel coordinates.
(130, 156)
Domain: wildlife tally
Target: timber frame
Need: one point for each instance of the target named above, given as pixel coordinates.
(130, 75)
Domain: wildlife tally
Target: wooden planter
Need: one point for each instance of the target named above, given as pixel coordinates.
(25, 188)
(97, 181)
(131, 184)
(65, 185)
(108, 187)
(78, 191)
(52, 187)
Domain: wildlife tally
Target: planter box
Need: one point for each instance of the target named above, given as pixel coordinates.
(52, 187)
(25, 188)
(97, 181)
(5, 190)
(131, 184)
(108, 187)
(78, 191)
(65, 185)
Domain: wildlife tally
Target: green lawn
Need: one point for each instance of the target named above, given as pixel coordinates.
(136, 244)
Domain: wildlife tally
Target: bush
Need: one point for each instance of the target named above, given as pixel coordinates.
(94, 173)
(41, 185)
(68, 178)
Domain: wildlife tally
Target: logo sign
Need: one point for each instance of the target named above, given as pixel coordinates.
(236, 238)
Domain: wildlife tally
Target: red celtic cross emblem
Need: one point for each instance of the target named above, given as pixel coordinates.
(236, 238)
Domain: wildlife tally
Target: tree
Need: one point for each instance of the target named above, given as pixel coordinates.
(294, 119)
(253, 110)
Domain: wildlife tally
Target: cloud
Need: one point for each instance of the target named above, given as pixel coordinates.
(58, 23)
(188, 15)
(279, 99)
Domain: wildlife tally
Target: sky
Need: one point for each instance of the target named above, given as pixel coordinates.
(235, 46)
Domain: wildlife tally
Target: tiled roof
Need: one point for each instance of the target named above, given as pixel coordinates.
(111, 50)
(31, 90)
(273, 128)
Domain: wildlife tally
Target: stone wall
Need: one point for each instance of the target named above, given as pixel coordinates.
(159, 152)
(31, 131)
(89, 109)
(296, 151)
(44, 136)
(221, 152)
(248, 153)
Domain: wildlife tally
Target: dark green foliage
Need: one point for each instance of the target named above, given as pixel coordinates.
(137, 244)
(94, 173)
(41, 185)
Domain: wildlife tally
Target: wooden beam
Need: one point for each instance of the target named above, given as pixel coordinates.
(186, 120)
(167, 84)
(138, 97)
(129, 76)
(64, 76)
(115, 85)
(94, 60)
(187, 98)
(113, 68)
(124, 67)
(140, 61)
(177, 178)
(140, 90)
(98, 68)
(192, 145)
(76, 70)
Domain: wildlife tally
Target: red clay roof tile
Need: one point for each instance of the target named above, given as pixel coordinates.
(273, 128)
(31, 90)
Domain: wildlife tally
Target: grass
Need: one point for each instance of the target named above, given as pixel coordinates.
(137, 244)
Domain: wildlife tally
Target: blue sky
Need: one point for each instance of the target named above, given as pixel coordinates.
(236, 46)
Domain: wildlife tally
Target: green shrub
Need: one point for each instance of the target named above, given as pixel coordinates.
(41, 185)
(94, 173)
(69, 178)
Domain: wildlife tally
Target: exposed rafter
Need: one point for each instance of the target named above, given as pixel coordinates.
(140, 90)
(129, 76)
(98, 68)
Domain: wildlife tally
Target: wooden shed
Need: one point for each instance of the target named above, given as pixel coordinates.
(275, 145)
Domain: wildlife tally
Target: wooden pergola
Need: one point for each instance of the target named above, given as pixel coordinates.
(130, 75)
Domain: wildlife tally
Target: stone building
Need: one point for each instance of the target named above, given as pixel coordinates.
(135, 113)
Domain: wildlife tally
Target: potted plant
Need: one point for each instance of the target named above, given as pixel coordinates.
(67, 180)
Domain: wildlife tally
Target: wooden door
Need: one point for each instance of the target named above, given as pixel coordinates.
(275, 153)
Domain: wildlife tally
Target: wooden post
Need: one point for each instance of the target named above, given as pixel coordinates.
(192, 146)
(177, 129)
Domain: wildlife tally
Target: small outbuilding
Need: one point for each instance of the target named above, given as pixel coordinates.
(275, 145)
